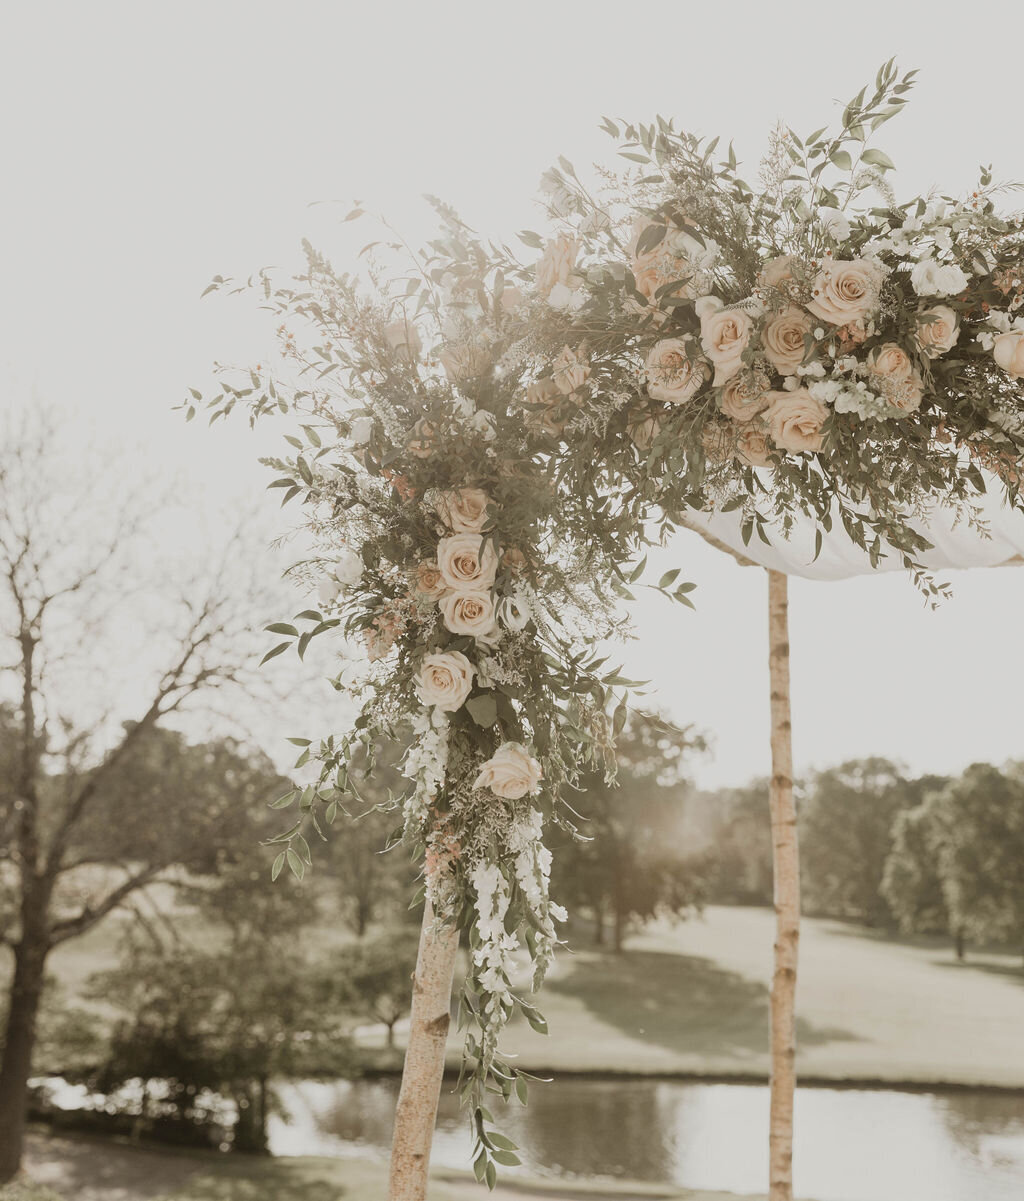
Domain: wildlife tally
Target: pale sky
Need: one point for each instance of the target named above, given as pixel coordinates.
(146, 148)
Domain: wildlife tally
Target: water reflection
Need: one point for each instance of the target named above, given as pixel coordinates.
(852, 1145)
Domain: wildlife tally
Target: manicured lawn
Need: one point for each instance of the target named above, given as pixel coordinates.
(85, 1169)
(693, 998)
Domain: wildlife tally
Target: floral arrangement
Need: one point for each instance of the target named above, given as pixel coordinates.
(485, 443)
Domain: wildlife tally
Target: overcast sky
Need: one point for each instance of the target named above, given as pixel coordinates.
(147, 147)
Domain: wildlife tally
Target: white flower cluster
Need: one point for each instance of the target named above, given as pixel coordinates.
(852, 396)
(493, 956)
(425, 764)
(533, 872)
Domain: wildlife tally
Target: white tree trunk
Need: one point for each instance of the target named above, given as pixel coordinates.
(786, 862)
(416, 1113)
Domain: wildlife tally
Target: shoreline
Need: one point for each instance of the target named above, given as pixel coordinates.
(610, 1075)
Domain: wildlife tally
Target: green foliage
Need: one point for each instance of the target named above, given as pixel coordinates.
(846, 824)
(627, 861)
(980, 817)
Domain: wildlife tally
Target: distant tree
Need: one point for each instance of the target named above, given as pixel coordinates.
(846, 821)
(741, 845)
(371, 874)
(981, 853)
(89, 814)
(630, 864)
(231, 1013)
(375, 977)
(912, 881)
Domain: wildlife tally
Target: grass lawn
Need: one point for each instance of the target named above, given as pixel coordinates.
(84, 1169)
(692, 998)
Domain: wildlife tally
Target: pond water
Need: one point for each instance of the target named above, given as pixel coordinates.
(851, 1144)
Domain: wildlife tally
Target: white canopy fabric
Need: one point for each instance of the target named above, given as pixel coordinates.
(956, 544)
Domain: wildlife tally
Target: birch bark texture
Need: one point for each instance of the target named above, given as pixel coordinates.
(416, 1112)
(786, 870)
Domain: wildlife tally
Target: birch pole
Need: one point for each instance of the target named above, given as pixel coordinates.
(416, 1112)
(786, 872)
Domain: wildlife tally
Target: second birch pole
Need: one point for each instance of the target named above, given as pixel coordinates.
(416, 1113)
(786, 871)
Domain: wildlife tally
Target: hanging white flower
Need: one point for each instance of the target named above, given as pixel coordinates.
(362, 430)
(349, 569)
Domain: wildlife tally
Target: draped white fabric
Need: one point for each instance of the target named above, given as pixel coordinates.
(956, 544)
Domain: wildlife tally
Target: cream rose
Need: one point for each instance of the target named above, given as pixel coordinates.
(724, 334)
(558, 265)
(469, 613)
(937, 330)
(429, 583)
(642, 428)
(510, 773)
(464, 510)
(845, 291)
(776, 271)
(795, 420)
(569, 372)
(905, 394)
(743, 396)
(752, 446)
(444, 680)
(464, 362)
(466, 562)
(1008, 352)
(404, 339)
(783, 339)
(671, 375)
(890, 361)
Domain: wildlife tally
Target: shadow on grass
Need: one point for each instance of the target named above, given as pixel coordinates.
(683, 1002)
(273, 1183)
(1012, 971)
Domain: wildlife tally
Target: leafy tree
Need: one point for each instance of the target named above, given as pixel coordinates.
(246, 1005)
(627, 867)
(741, 845)
(372, 875)
(375, 977)
(912, 881)
(96, 801)
(981, 850)
(846, 822)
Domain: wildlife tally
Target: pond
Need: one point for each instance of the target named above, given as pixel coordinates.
(851, 1144)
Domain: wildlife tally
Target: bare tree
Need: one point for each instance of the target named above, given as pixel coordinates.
(92, 662)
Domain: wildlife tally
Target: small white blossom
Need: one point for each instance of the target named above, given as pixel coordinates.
(362, 430)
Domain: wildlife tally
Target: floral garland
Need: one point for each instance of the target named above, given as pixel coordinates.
(683, 342)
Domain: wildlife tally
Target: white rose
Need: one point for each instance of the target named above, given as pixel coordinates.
(362, 430)
(510, 773)
(513, 613)
(470, 613)
(938, 328)
(467, 563)
(1008, 352)
(560, 297)
(951, 280)
(445, 680)
(328, 591)
(929, 278)
(349, 569)
(835, 224)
